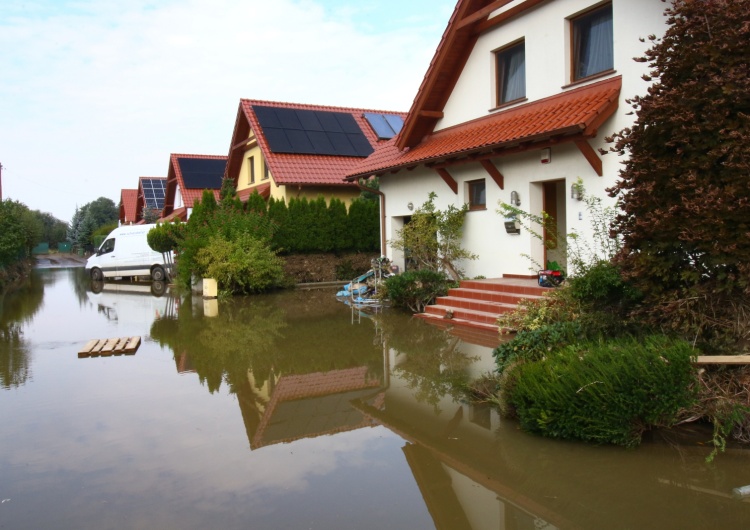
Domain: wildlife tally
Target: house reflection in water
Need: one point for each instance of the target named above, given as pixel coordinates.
(310, 405)
(440, 436)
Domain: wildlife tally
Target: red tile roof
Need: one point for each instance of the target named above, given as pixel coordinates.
(469, 19)
(573, 114)
(298, 169)
(174, 179)
(264, 190)
(128, 200)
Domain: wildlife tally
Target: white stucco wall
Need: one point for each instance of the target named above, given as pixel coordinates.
(546, 34)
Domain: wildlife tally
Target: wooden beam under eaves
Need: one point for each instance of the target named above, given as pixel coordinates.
(505, 15)
(249, 143)
(490, 168)
(449, 180)
(590, 154)
(482, 13)
(437, 114)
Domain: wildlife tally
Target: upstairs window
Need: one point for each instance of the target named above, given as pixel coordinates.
(592, 47)
(477, 195)
(511, 73)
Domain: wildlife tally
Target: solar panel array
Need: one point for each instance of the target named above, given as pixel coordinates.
(202, 173)
(386, 126)
(154, 191)
(312, 132)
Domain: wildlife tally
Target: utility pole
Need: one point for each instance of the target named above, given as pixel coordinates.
(1, 182)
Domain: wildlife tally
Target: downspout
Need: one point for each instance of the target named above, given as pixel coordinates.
(382, 213)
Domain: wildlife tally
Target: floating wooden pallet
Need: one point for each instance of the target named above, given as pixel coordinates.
(107, 347)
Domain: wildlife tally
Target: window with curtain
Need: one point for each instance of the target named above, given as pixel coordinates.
(593, 48)
(511, 73)
(477, 196)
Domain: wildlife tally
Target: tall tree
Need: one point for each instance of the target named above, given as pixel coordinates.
(102, 211)
(685, 188)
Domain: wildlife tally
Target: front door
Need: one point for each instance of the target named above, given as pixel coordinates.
(554, 233)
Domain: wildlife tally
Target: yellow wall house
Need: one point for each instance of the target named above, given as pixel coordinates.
(286, 150)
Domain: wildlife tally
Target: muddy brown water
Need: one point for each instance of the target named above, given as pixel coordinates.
(294, 410)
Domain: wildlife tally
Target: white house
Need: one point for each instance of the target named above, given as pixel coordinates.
(516, 103)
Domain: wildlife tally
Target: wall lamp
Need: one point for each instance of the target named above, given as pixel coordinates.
(515, 200)
(576, 192)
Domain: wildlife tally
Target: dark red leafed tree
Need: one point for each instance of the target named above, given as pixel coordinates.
(685, 187)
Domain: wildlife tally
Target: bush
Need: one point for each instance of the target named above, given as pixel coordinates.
(414, 290)
(601, 287)
(535, 344)
(604, 392)
(242, 265)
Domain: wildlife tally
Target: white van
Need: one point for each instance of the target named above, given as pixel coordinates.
(125, 253)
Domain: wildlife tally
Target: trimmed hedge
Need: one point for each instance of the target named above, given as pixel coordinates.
(604, 391)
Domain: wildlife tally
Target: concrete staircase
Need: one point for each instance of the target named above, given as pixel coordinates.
(471, 310)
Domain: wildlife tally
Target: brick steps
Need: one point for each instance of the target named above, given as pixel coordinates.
(471, 310)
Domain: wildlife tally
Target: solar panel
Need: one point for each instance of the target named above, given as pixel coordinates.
(329, 122)
(309, 120)
(395, 121)
(386, 126)
(202, 173)
(267, 116)
(277, 140)
(312, 132)
(153, 192)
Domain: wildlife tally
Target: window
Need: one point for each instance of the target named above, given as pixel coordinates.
(477, 198)
(265, 170)
(592, 47)
(511, 73)
(107, 247)
(251, 170)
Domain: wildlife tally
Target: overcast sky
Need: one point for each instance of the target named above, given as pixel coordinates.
(95, 93)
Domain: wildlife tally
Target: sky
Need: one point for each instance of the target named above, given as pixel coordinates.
(96, 93)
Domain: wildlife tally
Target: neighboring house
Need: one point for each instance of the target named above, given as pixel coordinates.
(151, 193)
(128, 207)
(286, 150)
(515, 106)
(187, 177)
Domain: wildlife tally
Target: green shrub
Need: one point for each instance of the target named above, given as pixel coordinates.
(535, 344)
(601, 287)
(242, 265)
(604, 392)
(414, 290)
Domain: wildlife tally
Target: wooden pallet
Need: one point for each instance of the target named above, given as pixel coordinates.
(722, 359)
(107, 347)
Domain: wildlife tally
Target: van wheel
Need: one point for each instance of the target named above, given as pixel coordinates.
(158, 274)
(96, 275)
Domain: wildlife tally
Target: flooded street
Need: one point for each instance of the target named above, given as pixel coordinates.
(292, 410)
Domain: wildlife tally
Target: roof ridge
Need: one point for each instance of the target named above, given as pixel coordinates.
(187, 155)
(315, 106)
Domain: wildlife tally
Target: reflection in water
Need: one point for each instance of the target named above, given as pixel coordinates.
(16, 308)
(432, 361)
(352, 420)
(293, 367)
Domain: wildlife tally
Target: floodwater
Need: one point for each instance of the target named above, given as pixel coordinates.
(294, 411)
